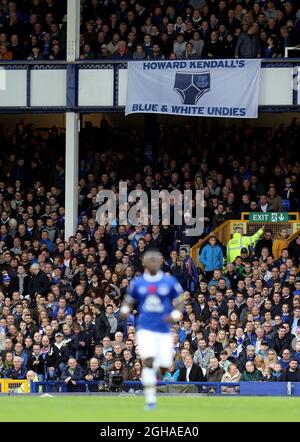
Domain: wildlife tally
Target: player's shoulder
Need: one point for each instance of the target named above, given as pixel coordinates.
(173, 283)
(137, 280)
(169, 278)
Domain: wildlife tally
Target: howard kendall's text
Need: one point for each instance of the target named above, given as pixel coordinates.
(193, 64)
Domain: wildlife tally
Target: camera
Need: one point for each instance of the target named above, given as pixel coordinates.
(112, 383)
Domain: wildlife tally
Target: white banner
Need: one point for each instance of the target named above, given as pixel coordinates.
(210, 88)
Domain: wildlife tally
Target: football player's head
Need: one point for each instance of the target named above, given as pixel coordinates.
(152, 261)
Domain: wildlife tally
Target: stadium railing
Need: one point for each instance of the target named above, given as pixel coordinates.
(213, 388)
(14, 386)
(75, 90)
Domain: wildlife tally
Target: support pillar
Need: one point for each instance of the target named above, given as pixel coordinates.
(71, 187)
(73, 30)
(72, 122)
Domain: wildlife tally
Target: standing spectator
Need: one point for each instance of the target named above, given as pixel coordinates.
(211, 256)
(38, 282)
(280, 243)
(247, 45)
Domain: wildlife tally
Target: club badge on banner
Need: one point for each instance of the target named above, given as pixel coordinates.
(207, 88)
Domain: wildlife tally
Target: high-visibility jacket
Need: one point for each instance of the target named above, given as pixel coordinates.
(238, 242)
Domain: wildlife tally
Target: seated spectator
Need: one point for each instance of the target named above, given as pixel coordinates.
(36, 363)
(94, 372)
(224, 362)
(292, 373)
(191, 372)
(203, 355)
(72, 373)
(17, 371)
(171, 375)
(214, 372)
(251, 373)
(231, 375)
(135, 373)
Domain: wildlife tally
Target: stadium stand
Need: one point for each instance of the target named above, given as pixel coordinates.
(36, 29)
(59, 301)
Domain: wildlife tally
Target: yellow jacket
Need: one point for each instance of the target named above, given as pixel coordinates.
(278, 245)
(238, 242)
(23, 389)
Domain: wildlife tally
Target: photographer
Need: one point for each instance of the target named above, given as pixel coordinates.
(114, 377)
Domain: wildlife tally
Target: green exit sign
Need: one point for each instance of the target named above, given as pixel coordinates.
(268, 217)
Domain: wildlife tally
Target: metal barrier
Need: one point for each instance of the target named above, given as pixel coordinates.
(209, 388)
(100, 86)
(14, 386)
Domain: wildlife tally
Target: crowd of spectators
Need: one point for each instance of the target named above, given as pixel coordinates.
(60, 298)
(33, 29)
(152, 29)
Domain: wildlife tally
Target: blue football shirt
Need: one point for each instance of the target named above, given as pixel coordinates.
(154, 296)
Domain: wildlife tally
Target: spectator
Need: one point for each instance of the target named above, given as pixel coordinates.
(171, 375)
(36, 362)
(191, 372)
(214, 372)
(247, 45)
(231, 375)
(17, 371)
(95, 372)
(251, 373)
(292, 373)
(179, 47)
(203, 355)
(280, 243)
(211, 256)
(72, 373)
(38, 282)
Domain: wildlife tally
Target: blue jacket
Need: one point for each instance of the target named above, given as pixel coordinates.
(12, 373)
(76, 376)
(216, 283)
(211, 257)
(68, 311)
(296, 355)
(171, 377)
